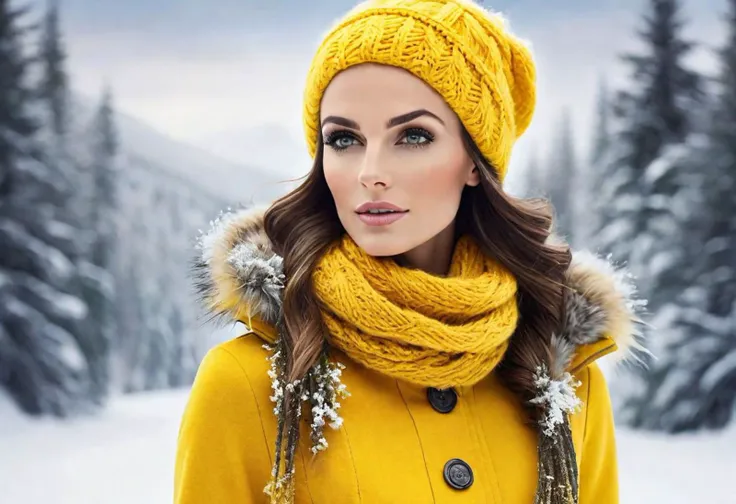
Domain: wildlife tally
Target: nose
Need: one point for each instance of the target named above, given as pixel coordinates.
(373, 171)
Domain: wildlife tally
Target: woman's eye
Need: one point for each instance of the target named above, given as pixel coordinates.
(344, 142)
(417, 137)
(340, 141)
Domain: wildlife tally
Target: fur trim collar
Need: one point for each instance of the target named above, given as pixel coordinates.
(239, 277)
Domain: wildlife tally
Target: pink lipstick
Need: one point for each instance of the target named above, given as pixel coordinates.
(380, 213)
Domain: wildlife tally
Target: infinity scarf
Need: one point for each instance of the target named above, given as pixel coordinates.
(415, 326)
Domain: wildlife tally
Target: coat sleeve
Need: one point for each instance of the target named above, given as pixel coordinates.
(221, 452)
(598, 466)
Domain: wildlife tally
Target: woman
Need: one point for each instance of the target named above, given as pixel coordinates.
(415, 335)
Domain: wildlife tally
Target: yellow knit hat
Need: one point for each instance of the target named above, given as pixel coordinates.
(485, 74)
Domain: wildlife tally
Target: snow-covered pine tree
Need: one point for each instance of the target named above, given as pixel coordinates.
(58, 137)
(721, 185)
(150, 352)
(104, 149)
(54, 86)
(666, 157)
(98, 270)
(561, 179)
(672, 188)
(594, 180)
(652, 114)
(52, 91)
(60, 131)
(602, 134)
(697, 375)
(16, 121)
(41, 364)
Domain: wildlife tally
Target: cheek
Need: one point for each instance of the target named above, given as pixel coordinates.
(442, 175)
(338, 177)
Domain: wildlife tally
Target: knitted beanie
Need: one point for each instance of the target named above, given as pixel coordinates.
(465, 53)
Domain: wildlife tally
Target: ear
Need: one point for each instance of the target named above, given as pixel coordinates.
(473, 177)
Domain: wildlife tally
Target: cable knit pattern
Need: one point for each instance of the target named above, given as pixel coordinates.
(406, 323)
(484, 73)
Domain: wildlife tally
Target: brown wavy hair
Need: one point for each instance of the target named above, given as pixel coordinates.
(302, 224)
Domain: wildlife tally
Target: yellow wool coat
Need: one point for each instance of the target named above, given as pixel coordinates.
(397, 439)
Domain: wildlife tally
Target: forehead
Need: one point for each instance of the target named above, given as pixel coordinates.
(372, 89)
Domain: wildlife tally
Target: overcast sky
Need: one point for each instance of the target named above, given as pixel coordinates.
(220, 72)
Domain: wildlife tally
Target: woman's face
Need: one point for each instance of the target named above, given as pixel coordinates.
(392, 143)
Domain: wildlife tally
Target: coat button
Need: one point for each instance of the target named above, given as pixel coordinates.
(442, 400)
(458, 474)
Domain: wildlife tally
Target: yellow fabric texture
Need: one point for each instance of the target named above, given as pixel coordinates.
(465, 53)
(393, 445)
(409, 324)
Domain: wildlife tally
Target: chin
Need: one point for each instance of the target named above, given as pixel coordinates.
(381, 244)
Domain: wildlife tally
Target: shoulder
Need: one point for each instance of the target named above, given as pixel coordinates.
(231, 382)
(223, 446)
(233, 364)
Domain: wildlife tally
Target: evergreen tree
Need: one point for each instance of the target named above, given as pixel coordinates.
(683, 254)
(54, 87)
(91, 283)
(670, 184)
(595, 180)
(16, 122)
(104, 148)
(653, 114)
(53, 95)
(561, 178)
(695, 381)
(98, 273)
(41, 364)
(721, 184)
(602, 135)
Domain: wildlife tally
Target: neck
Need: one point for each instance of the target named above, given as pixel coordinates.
(432, 256)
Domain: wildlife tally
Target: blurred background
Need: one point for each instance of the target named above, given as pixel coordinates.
(125, 127)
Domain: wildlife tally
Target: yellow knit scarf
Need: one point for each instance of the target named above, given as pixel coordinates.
(429, 330)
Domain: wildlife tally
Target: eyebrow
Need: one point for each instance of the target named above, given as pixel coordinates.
(391, 123)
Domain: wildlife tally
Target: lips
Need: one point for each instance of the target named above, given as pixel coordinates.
(380, 213)
(379, 207)
(381, 219)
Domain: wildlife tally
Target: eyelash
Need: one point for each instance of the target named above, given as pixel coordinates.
(332, 138)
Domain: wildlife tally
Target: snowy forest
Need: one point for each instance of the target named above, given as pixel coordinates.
(98, 218)
(657, 193)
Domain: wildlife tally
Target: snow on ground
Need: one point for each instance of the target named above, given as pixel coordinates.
(126, 455)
